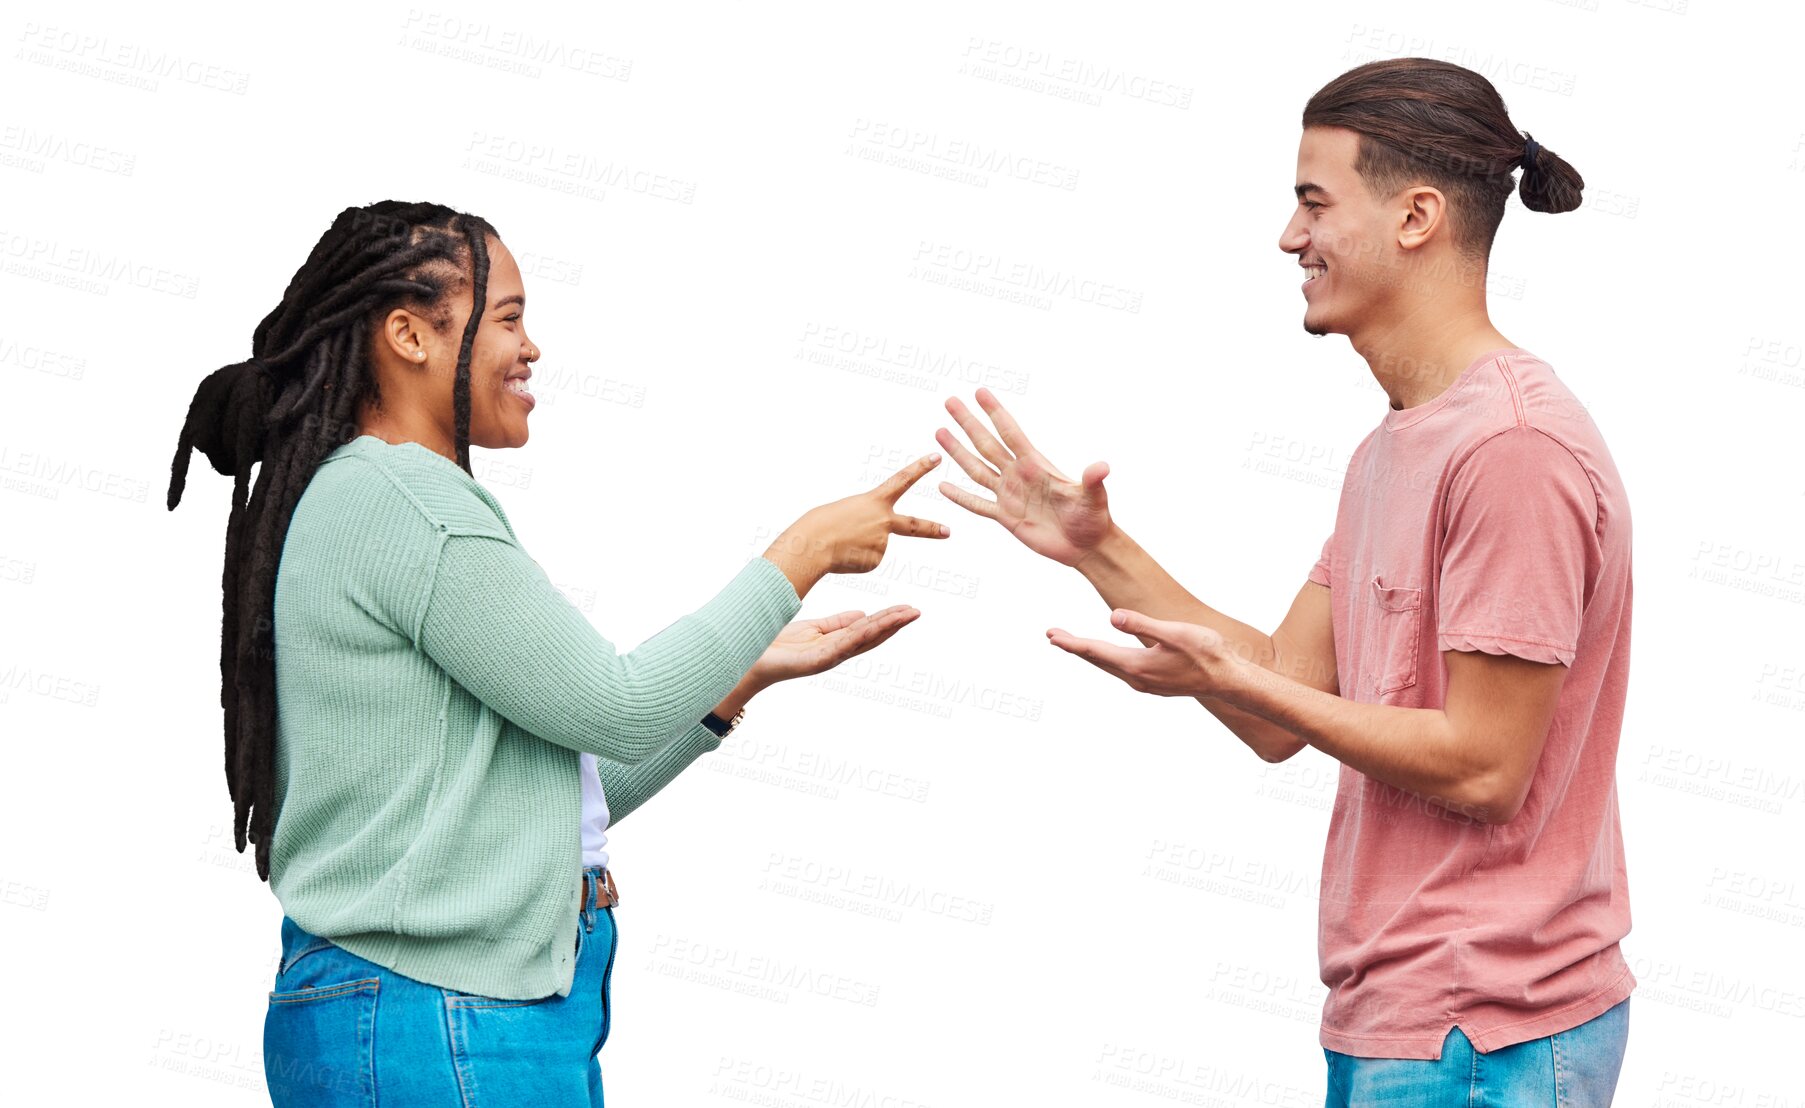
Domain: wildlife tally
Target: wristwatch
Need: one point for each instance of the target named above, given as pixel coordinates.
(721, 726)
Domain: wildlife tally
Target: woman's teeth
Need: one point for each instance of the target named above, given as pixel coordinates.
(517, 385)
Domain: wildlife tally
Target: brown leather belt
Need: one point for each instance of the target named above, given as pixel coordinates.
(606, 895)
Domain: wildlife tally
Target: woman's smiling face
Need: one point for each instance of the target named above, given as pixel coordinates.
(417, 358)
(499, 356)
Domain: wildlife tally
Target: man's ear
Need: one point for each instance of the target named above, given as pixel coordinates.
(1422, 214)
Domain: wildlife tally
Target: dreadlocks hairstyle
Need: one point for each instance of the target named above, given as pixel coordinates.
(284, 409)
(1420, 119)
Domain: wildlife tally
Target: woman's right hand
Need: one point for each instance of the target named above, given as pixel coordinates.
(851, 534)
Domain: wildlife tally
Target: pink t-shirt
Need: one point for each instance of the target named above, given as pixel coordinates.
(1488, 518)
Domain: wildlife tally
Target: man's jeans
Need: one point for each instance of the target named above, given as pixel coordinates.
(1576, 1068)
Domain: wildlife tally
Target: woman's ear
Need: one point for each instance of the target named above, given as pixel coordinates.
(403, 334)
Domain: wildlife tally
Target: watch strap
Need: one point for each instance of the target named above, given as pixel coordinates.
(721, 726)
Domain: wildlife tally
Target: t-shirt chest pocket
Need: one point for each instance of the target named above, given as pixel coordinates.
(1397, 619)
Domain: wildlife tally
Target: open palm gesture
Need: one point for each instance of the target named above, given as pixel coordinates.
(1049, 512)
(811, 646)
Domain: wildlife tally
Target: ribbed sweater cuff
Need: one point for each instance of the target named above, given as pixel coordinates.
(627, 787)
(749, 612)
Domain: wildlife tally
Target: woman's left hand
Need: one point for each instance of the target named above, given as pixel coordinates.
(1186, 659)
(811, 646)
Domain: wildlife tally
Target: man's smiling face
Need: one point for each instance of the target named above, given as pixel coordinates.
(1344, 239)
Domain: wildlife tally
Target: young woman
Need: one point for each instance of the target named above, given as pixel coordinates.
(444, 736)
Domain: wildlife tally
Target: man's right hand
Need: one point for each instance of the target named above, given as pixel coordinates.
(1049, 512)
(1069, 522)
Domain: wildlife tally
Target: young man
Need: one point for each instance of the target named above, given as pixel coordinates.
(1462, 644)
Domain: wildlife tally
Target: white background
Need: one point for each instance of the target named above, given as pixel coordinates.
(1143, 887)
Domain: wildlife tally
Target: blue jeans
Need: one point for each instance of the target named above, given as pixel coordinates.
(343, 1031)
(1576, 1068)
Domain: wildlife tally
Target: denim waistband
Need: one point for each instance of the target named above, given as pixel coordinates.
(587, 911)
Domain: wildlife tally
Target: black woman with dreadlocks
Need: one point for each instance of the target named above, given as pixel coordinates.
(443, 736)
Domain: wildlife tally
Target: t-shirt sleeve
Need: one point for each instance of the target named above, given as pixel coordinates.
(498, 626)
(1320, 572)
(1521, 551)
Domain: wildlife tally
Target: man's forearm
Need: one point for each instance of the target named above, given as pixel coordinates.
(1126, 576)
(1414, 749)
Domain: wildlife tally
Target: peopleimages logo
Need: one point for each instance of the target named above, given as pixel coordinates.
(1031, 278)
(937, 151)
(784, 873)
(31, 149)
(1066, 77)
(566, 169)
(121, 61)
(507, 48)
(911, 363)
(32, 255)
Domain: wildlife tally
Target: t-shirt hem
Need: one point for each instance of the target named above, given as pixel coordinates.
(1427, 1047)
(1561, 1019)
